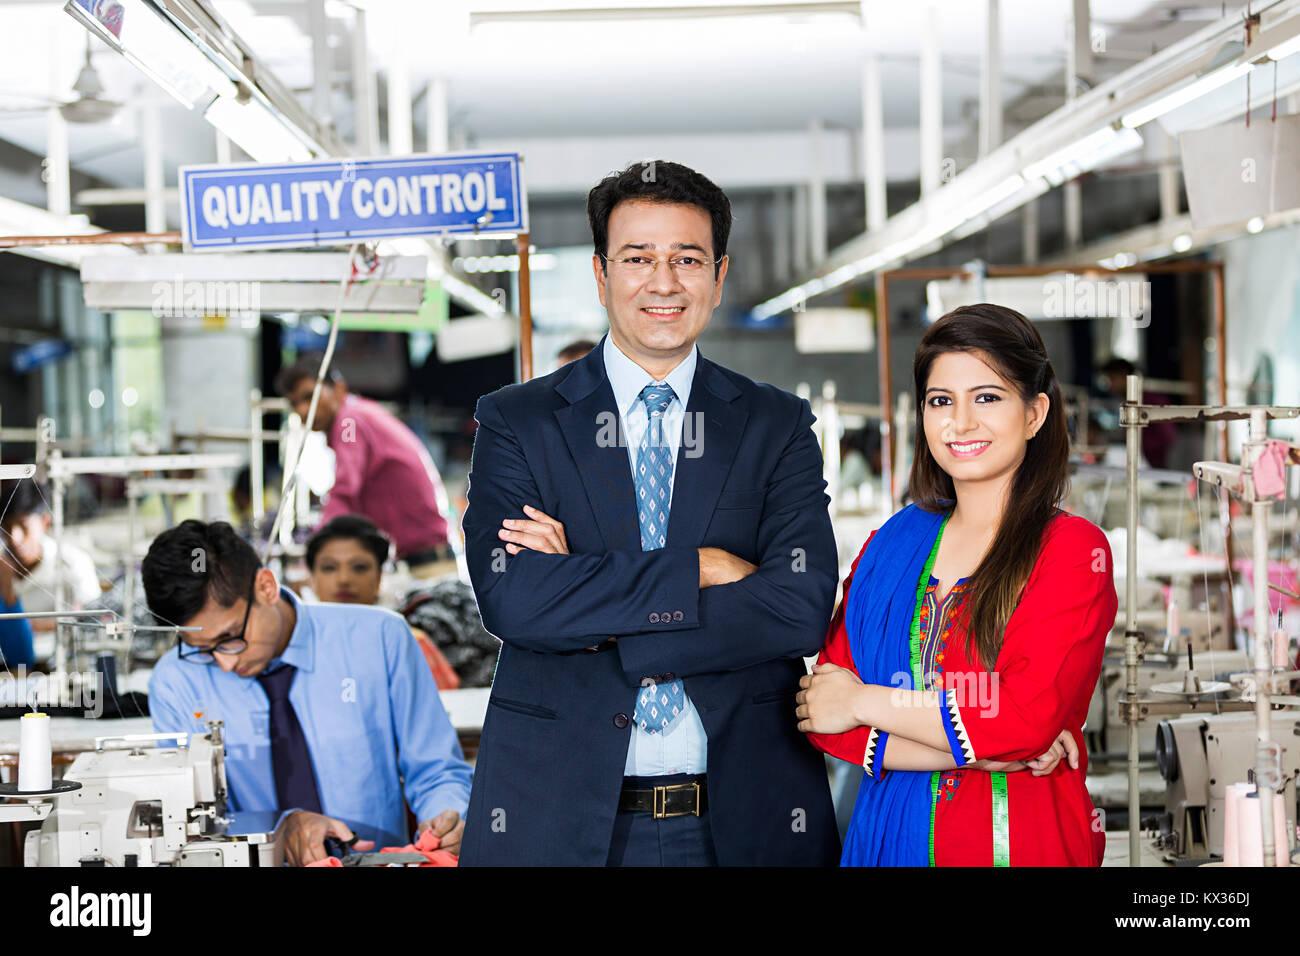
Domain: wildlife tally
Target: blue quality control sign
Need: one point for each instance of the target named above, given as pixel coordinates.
(330, 202)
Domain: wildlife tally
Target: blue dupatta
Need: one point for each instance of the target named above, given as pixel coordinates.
(892, 817)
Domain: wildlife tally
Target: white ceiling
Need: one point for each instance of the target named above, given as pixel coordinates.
(574, 79)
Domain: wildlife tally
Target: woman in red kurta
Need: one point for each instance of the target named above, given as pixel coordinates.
(959, 755)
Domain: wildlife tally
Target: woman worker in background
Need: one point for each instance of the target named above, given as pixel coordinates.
(960, 663)
(345, 558)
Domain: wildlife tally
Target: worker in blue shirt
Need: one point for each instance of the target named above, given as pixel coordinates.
(329, 710)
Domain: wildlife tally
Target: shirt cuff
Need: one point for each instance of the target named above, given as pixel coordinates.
(874, 761)
(958, 739)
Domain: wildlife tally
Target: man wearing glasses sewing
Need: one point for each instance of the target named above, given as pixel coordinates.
(331, 715)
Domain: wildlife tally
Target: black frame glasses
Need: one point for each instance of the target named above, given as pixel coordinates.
(654, 264)
(229, 645)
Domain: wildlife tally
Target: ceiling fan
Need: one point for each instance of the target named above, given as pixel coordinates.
(90, 106)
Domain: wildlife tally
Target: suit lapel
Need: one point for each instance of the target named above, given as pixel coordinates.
(713, 425)
(593, 430)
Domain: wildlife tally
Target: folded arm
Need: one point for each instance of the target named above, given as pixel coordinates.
(559, 602)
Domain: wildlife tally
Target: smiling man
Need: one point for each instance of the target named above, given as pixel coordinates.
(331, 715)
(647, 534)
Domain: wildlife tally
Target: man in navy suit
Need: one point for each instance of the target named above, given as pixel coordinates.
(647, 533)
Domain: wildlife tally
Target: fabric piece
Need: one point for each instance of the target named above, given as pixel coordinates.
(657, 705)
(295, 778)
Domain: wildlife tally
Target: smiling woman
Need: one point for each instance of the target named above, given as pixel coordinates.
(989, 606)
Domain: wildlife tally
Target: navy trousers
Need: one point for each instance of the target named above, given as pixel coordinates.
(641, 840)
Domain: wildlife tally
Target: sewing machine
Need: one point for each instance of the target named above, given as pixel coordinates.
(1105, 724)
(158, 801)
(1198, 756)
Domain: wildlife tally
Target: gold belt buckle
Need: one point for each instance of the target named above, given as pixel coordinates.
(660, 800)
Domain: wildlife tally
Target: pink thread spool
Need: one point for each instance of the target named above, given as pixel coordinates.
(1250, 841)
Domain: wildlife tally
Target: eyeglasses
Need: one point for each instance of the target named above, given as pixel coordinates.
(229, 645)
(642, 267)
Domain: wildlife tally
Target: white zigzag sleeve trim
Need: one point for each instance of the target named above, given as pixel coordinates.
(954, 717)
(869, 760)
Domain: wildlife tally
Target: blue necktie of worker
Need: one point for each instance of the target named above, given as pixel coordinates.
(295, 780)
(657, 705)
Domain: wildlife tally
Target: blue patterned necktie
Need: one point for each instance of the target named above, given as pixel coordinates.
(658, 705)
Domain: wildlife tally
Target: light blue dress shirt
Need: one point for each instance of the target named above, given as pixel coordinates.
(684, 748)
(369, 709)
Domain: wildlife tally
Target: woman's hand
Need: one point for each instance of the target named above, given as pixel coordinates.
(1042, 765)
(543, 533)
(1063, 746)
(828, 699)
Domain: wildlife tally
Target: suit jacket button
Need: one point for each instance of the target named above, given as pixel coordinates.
(620, 721)
(678, 616)
(666, 616)
(654, 617)
(669, 677)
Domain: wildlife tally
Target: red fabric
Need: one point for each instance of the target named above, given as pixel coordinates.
(443, 674)
(1046, 671)
(383, 472)
(427, 844)
(850, 746)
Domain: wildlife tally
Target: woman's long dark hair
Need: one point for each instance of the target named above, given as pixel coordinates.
(1008, 342)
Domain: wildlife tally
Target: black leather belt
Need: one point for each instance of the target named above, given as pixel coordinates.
(440, 552)
(673, 800)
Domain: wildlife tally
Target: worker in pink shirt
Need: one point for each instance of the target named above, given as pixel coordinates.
(381, 469)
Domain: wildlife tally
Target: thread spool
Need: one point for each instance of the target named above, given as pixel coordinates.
(1173, 626)
(1250, 841)
(1233, 794)
(1281, 646)
(106, 667)
(35, 759)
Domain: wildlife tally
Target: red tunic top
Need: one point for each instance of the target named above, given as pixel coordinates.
(1043, 679)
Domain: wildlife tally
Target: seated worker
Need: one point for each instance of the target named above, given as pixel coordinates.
(345, 558)
(329, 713)
(29, 565)
(381, 469)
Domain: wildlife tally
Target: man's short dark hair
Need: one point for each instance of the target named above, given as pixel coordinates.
(19, 498)
(349, 528)
(663, 182)
(575, 350)
(287, 379)
(194, 561)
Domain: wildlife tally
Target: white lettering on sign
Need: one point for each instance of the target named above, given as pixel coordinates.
(431, 194)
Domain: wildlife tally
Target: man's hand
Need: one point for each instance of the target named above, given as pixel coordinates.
(722, 567)
(828, 700)
(543, 533)
(304, 836)
(448, 827)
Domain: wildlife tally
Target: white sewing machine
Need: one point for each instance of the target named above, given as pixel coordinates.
(1198, 756)
(159, 801)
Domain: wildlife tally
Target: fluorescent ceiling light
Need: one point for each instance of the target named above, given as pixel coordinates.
(156, 47)
(1185, 95)
(1081, 156)
(1285, 49)
(257, 132)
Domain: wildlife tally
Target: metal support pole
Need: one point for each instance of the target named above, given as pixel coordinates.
(873, 143)
(256, 463)
(931, 102)
(883, 355)
(438, 116)
(1132, 637)
(991, 82)
(522, 242)
(817, 193)
(364, 98)
(1265, 762)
